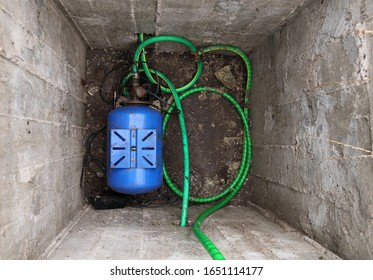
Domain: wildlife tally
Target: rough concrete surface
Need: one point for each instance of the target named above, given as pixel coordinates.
(154, 234)
(312, 125)
(112, 24)
(311, 118)
(41, 117)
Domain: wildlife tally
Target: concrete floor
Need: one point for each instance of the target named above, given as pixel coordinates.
(153, 233)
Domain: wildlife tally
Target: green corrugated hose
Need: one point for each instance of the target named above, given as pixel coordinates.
(226, 195)
(233, 188)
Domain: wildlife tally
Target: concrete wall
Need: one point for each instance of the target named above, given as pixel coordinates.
(42, 59)
(112, 25)
(312, 106)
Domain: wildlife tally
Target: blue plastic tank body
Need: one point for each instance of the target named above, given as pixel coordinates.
(134, 149)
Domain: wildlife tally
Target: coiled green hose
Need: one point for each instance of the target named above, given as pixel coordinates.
(165, 38)
(226, 195)
(233, 188)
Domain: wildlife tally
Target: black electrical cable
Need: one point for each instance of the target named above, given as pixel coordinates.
(88, 157)
(106, 77)
(140, 203)
(97, 162)
(156, 95)
(165, 111)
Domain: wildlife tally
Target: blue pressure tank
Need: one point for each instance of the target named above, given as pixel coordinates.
(134, 149)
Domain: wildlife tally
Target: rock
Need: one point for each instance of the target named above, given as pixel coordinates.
(93, 90)
(226, 77)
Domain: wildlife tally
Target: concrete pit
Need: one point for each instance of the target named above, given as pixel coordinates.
(309, 194)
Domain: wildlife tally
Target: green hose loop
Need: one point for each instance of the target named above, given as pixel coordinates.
(242, 169)
(235, 186)
(140, 51)
(225, 196)
(244, 57)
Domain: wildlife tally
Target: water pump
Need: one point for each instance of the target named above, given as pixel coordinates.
(134, 145)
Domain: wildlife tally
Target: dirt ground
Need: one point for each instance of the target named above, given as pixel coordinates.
(214, 128)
